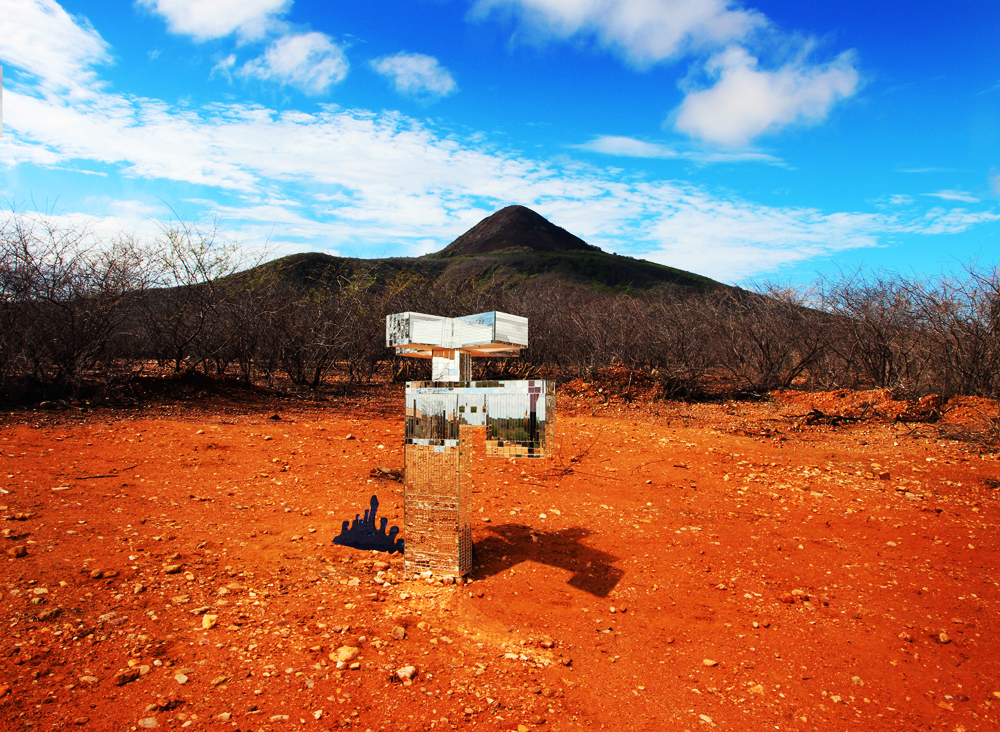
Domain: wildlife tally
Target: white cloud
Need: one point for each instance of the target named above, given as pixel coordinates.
(205, 19)
(224, 68)
(643, 31)
(627, 147)
(41, 38)
(416, 75)
(948, 195)
(746, 102)
(310, 62)
(630, 147)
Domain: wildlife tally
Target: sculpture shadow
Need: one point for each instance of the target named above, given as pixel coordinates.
(512, 544)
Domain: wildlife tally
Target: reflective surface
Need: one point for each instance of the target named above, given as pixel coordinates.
(482, 334)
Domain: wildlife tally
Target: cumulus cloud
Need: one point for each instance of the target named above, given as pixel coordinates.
(416, 75)
(949, 195)
(206, 19)
(59, 50)
(747, 101)
(642, 31)
(310, 62)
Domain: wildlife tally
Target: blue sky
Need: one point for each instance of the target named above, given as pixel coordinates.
(773, 140)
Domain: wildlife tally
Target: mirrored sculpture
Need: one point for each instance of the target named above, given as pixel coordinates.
(446, 416)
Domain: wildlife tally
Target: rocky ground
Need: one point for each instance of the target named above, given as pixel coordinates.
(806, 563)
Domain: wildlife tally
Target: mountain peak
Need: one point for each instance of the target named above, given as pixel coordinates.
(515, 227)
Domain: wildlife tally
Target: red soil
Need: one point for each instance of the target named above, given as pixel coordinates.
(736, 566)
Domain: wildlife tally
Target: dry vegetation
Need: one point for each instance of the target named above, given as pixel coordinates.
(87, 319)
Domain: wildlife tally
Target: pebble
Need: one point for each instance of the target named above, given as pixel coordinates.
(709, 662)
(346, 654)
(943, 638)
(126, 676)
(209, 621)
(181, 679)
(172, 569)
(80, 721)
(148, 722)
(224, 717)
(18, 551)
(399, 632)
(406, 673)
(89, 680)
(4, 690)
(279, 718)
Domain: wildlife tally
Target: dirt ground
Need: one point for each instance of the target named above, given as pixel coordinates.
(806, 563)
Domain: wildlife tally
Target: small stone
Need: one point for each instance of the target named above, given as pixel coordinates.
(172, 569)
(219, 680)
(943, 638)
(398, 632)
(4, 690)
(181, 679)
(224, 717)
(126, 676)
(279, 717)
(209, 621)
(756, 689)
(89, 680)
(406, 673)
(346, 654)
(350, 437)
(547, 643)
(80, 721)
(884, 475)
(857, 681)
(709, 662)
(18, 551)
(318, 714)
(180, 599)
(787, 598)
(148, 722)
(49, 613)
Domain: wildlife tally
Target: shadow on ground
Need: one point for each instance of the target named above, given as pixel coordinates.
(512, 544)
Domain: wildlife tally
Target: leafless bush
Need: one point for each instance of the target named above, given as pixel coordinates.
(67, 296)
(77, 308)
